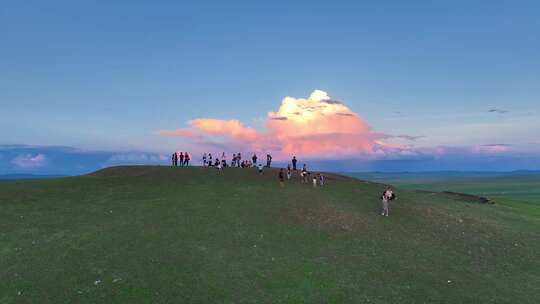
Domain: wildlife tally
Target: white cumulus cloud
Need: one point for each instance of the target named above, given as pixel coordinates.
(28, 161)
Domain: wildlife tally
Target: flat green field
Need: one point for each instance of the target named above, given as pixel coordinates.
(193, 235)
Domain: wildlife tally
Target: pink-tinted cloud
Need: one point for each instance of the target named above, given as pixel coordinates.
(320, 127)
(179, 132)
(232, 128)
(317, 127)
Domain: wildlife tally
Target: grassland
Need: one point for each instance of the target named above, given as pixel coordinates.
(519, 192)
(177, 235)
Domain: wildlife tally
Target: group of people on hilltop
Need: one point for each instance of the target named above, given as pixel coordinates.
(316, 179)
(180, 159)
(236, 161)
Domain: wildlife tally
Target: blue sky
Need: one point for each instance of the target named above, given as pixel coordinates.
(102, 76)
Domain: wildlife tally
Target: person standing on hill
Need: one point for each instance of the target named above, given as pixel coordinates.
(254, 159)
(260, 168)
(386, 197)
(281, 177)
(304, 174)
(204, 159)
(187, 158)
(181, 158)
(268, 160)
(294, 163)
(174, 160)
(219, 166)
(289, 172)
(238, 159)
(210, 160)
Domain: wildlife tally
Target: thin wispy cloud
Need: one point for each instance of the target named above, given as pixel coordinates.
(498, 111)
(406, 137)
(493, 148)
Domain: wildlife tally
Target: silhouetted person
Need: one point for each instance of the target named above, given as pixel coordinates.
(181, 159)
(186, 159)
(174, 159)
(210, 160)
(254, 159)
(239, 159)
(294, 163)
(268, 160)
(281, 177)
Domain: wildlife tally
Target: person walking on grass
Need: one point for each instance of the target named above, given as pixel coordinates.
(260, 168)
(321, 179)
(219, 167)
(294, 163)
(387, 196)
(204, 159)
(281, 177)
(289, 172)
(304, 174)
(314, 181)
(238, 159)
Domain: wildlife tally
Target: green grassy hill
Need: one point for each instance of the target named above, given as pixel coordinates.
(193, 235)
(518, 191)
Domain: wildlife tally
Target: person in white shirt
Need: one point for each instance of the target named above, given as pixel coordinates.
(218, 165)
(260, 168)
(304, 174)
(387, 196)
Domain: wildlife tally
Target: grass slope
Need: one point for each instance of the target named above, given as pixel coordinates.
(166, 235)
(517, 191)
